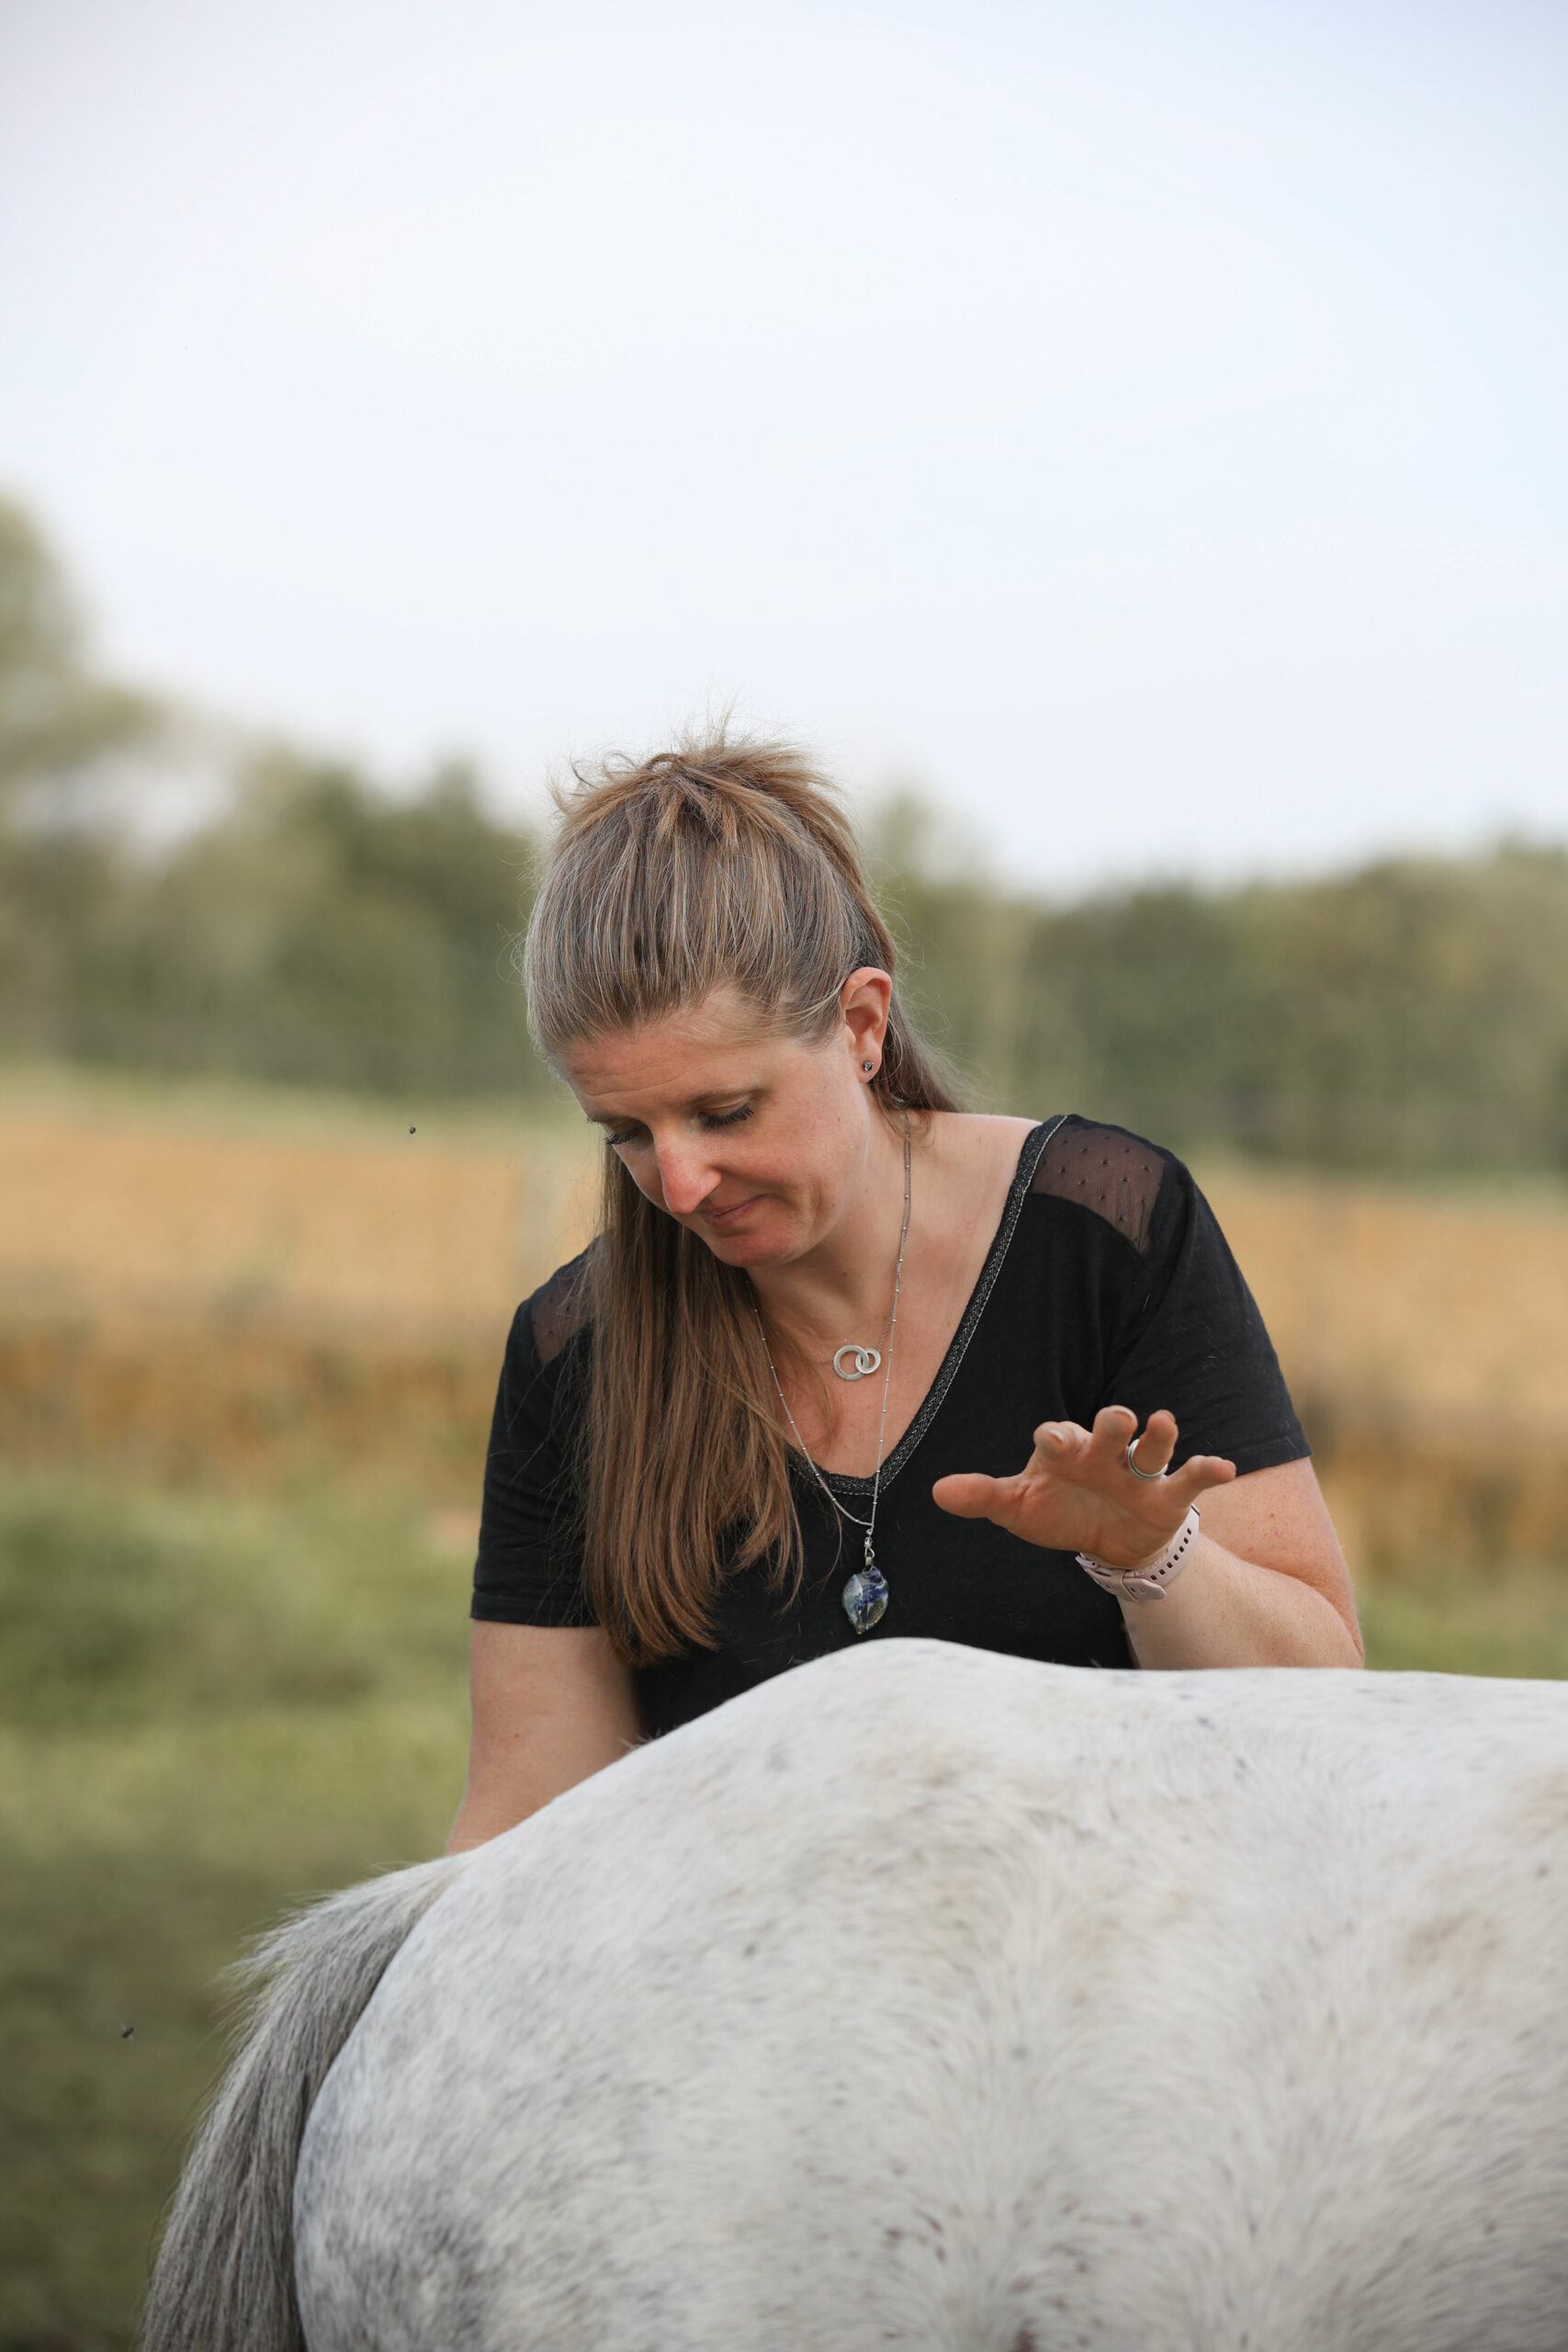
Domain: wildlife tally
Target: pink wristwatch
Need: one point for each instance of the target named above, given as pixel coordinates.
(1148, 1582)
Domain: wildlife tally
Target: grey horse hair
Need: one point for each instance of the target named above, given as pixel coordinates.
(929, 1997)
(224, 2278)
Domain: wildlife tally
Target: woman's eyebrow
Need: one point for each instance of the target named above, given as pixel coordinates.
(704, 1102)
(720, 1094)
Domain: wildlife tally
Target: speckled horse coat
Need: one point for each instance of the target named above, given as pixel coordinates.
(931, 1998)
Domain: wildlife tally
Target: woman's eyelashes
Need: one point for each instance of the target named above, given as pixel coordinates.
(708, 1118)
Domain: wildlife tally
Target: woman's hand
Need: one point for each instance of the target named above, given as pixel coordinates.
(1077, 1494)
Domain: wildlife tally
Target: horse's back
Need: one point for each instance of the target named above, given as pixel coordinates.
(929, 1998)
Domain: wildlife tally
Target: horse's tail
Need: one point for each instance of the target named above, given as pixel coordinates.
(225, 2280)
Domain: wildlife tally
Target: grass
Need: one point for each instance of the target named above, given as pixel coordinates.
(1453, 1620)
(213, 1707)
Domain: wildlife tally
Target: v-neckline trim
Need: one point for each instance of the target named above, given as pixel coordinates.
(1029, 1159)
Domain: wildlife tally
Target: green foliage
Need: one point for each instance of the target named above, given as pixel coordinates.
(319, 932)
(1411, 1016)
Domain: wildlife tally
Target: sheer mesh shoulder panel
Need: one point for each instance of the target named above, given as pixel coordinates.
(1100, 1168)
(563, 1306)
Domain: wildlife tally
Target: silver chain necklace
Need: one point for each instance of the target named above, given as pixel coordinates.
(865, 1594)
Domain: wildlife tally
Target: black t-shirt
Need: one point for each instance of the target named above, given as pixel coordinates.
(1109, 1283)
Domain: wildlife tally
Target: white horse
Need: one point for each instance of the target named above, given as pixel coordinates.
(930, 1998)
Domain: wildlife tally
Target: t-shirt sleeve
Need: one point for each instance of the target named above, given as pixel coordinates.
(529, 1570)
(1190, 1341)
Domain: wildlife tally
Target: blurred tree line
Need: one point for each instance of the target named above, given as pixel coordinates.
(316, 930)
(1412, 1014)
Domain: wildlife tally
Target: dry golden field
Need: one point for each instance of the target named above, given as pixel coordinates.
(223, 1284)
(394, 1233)
(230, 1287)
(1425, 1335)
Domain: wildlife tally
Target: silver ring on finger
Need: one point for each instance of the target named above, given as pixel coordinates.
(1149, 1477)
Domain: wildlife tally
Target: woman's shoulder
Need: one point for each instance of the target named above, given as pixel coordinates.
(1102, 1180)
(1107, 1171)
(552, 1317)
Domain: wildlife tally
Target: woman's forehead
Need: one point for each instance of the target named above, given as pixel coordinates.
(718, 1037)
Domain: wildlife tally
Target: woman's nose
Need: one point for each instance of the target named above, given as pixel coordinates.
(686, 1177)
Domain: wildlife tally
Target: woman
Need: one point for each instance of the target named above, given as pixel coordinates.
(845, 1362)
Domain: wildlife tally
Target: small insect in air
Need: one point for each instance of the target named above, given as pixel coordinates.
(127, 2032)
(411, 1131)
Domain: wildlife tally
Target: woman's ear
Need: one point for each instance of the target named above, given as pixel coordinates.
(865, 999)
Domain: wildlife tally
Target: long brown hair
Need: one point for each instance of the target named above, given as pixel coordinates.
(721, 863)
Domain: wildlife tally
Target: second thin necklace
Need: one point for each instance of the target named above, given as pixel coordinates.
(864, 1596)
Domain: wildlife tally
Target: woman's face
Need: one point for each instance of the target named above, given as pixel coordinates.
(756, 1142)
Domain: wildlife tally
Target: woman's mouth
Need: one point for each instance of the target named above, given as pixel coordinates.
(726, 1216)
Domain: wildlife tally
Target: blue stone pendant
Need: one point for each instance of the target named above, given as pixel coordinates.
(866, 1598)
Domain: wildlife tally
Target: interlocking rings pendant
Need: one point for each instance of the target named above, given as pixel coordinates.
(864, 1362)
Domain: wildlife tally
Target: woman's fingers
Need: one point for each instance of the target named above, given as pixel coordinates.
(968, 1494)
(1116, 1431)
(1057, 1444)
(1092, 1465)
(1116, 1440)
(1151, 1451)
(1195, 1477)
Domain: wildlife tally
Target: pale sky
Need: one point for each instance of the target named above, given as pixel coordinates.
(1148, 425)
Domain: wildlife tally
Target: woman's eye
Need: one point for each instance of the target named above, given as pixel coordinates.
(710, 1119)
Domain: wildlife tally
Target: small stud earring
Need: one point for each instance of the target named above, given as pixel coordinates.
(868, 1068)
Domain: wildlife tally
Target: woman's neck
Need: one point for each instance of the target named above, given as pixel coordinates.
(840, 1290)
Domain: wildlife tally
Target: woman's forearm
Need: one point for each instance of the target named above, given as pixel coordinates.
(1223, 1610)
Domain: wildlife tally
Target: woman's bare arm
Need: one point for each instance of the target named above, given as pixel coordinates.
(552, 1705)
(1265, 1584)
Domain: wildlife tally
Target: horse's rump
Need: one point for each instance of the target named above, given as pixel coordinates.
(929, 1998)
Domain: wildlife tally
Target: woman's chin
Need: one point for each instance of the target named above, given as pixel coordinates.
(754, 1241)
(745, 1249)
